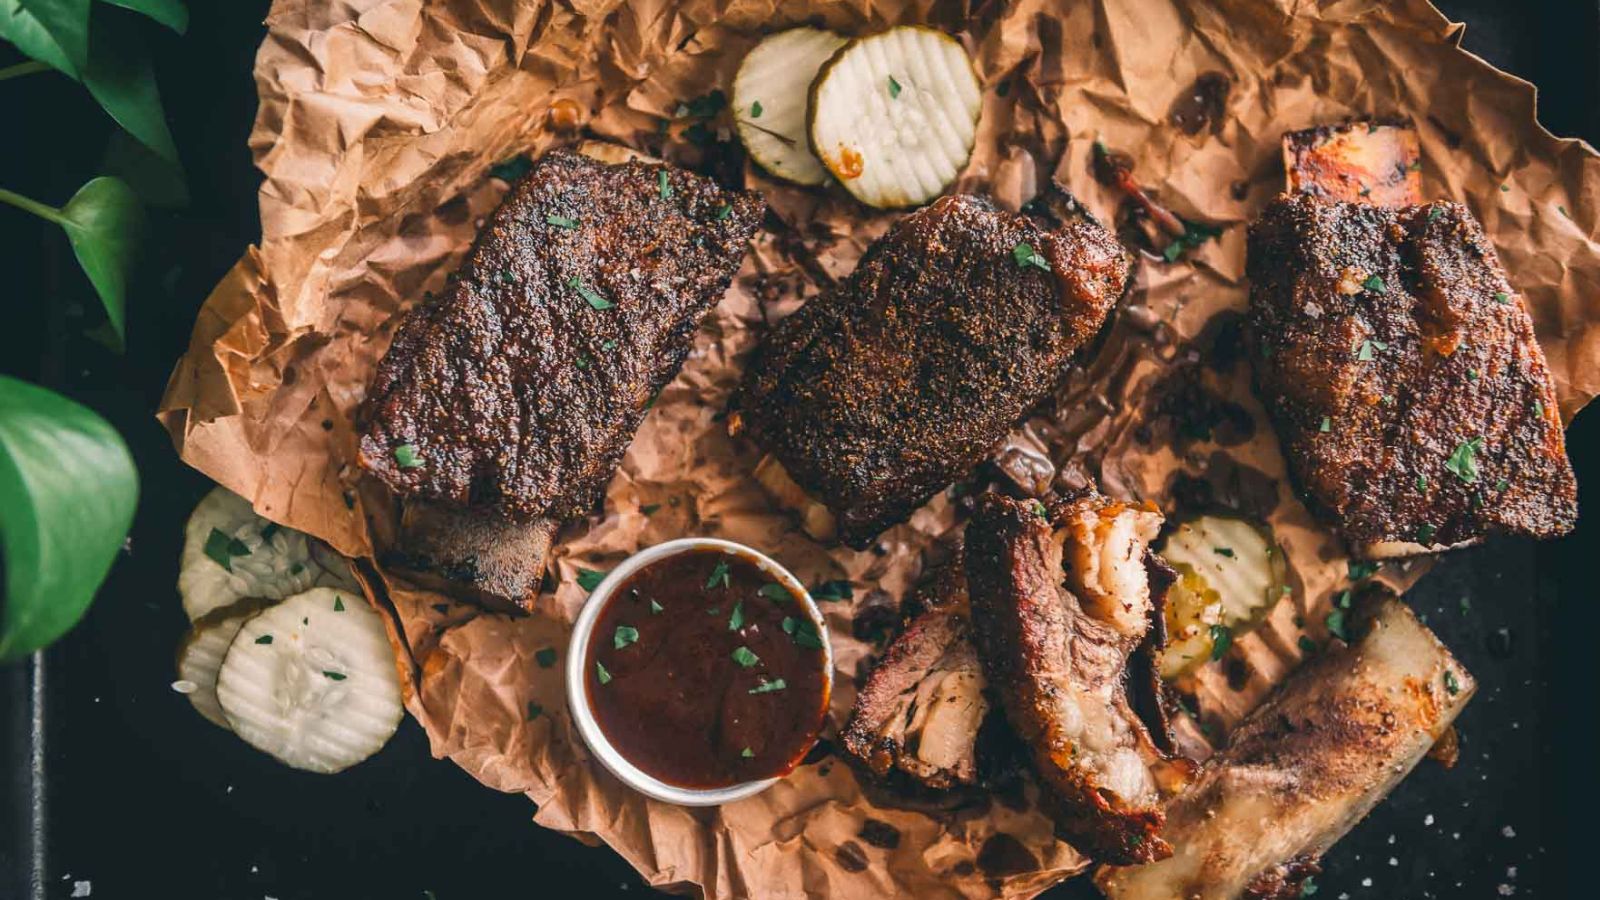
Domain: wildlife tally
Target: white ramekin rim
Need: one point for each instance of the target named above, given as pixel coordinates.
(577, 683)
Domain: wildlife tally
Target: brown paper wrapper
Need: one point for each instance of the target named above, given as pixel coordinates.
(379, 121)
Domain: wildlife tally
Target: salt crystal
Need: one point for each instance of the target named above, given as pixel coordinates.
(1427, 819)
(1366, 882)
(1508, 831)
(1393, 861)
(1505, 890)
(82, 888)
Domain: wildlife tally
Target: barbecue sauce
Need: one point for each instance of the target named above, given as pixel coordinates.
(713, 672)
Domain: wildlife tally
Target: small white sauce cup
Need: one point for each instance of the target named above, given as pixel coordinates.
(578, 655)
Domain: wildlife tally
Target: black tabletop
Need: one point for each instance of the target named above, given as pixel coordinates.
(142, 798)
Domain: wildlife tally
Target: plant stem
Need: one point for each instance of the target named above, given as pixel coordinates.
(20, 69)
(39, 209)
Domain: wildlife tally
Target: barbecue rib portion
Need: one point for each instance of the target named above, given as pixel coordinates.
(1307, 764)
(919, 714)
(1401, 371)
(517, 390)
(1059, 605)
(881, 392)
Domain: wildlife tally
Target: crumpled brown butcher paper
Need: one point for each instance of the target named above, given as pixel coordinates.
(380, 119)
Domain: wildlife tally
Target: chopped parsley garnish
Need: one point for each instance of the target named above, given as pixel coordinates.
(297, 568)
(1472, 374)
(583, 361)
(589, 294)
(625, 635)
(1326, 426)
(1364, 353)
(755, 110)
(1422, 482)
(747, 753)
(222, 549)
(1435, 213)
(336, 676)
(1450, 683)
(1425, 533)
(724, 211)
(1336, 628)
(1538, 408)
(589, 579)
(649, 509)
(1374, 284)
(1307, 645)
(1309, 886)
(600, 672)
(268, 530)
(1502, 484)
(1223, 551)
(894, 87)
(545, 657)
(1463, 463)
(663, 186)
(789, 623)
(1343, 600)
(338, 604)
(805, 635)
(1037, 508)
(1466, 605)
(407, 457)
(745, 657)
(838, 589)
(1360, 571)
(608, 345)
(767, 687)
(655, 608)
(1194, 234)
(720, 573)
(775, 592)
(264, 639)
(534, 710)
(1502, 297)
(736, 618)
(1221, 640)
(508, 277)
(1504, 188)
(561, 221)
(1025, 255)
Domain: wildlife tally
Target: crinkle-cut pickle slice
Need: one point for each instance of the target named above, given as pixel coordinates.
(894, 115)
(770, 96)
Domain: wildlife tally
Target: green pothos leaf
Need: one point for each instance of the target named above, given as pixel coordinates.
(67, 494)
(55, 32)
(120, 78)
(104, 222)
(170, 13)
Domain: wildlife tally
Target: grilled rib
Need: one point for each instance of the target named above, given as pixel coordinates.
(880, 393)
(1305, 766)
(1059, 605)
(920, 711)
(1401, 371)
(515, 393)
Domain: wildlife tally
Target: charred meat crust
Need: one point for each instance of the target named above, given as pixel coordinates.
(493, 561)
(1385, 341)
(1038, 644)
(884, 390)
(513, 390)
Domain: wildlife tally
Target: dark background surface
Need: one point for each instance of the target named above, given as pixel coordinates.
(142, 798)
